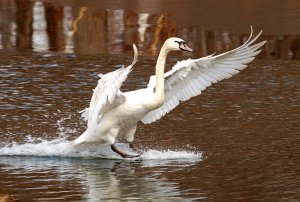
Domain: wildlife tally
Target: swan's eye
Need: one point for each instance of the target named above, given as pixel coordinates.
(180, 42)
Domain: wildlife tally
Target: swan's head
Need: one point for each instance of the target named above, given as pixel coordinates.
(176, 44)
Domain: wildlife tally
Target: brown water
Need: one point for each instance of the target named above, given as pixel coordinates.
(238, 141)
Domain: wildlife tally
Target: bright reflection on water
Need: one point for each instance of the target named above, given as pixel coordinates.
(110, 26)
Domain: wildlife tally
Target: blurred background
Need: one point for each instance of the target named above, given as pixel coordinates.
(111, 26)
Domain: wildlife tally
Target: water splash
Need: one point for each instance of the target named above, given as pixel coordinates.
(63, 130)
(61, 147)
(170, 155)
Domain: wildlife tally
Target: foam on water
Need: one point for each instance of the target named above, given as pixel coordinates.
(61, 147)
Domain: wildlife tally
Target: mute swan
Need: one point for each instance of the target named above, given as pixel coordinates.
(114, 114)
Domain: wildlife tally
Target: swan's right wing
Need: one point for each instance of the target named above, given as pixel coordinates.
(107, 93)
(189, 78)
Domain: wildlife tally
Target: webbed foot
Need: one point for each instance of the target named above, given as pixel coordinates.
(123, 154)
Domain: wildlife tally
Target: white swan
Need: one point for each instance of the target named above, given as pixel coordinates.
(113, 114)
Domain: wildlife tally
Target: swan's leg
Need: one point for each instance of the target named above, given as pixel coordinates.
(124, 155)
(129, 137)
(130, 134)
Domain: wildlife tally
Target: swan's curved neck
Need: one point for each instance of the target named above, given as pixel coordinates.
(159, 96)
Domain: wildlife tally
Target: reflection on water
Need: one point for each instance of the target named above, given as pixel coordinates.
(93, 180)
(111, 27)
(247, 127)
(47, 168)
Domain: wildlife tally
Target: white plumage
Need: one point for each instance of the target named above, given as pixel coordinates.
(113, 114)
(190, 77)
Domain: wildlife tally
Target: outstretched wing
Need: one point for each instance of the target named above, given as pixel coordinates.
(190, 77)
(107, 94)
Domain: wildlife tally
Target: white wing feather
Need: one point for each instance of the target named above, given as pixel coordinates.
(107, 93)
(190, 77)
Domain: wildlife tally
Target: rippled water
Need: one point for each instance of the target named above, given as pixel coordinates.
(239, 139)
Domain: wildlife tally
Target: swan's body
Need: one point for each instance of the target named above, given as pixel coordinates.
(113, 114)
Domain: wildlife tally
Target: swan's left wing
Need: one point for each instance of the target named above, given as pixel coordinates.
(190, 77)
(107, 93)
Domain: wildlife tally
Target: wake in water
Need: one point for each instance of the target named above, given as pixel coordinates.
(61, 147)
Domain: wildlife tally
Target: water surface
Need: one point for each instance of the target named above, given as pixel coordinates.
(238, 141)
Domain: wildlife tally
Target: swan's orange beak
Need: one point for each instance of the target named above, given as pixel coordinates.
(184, 47)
